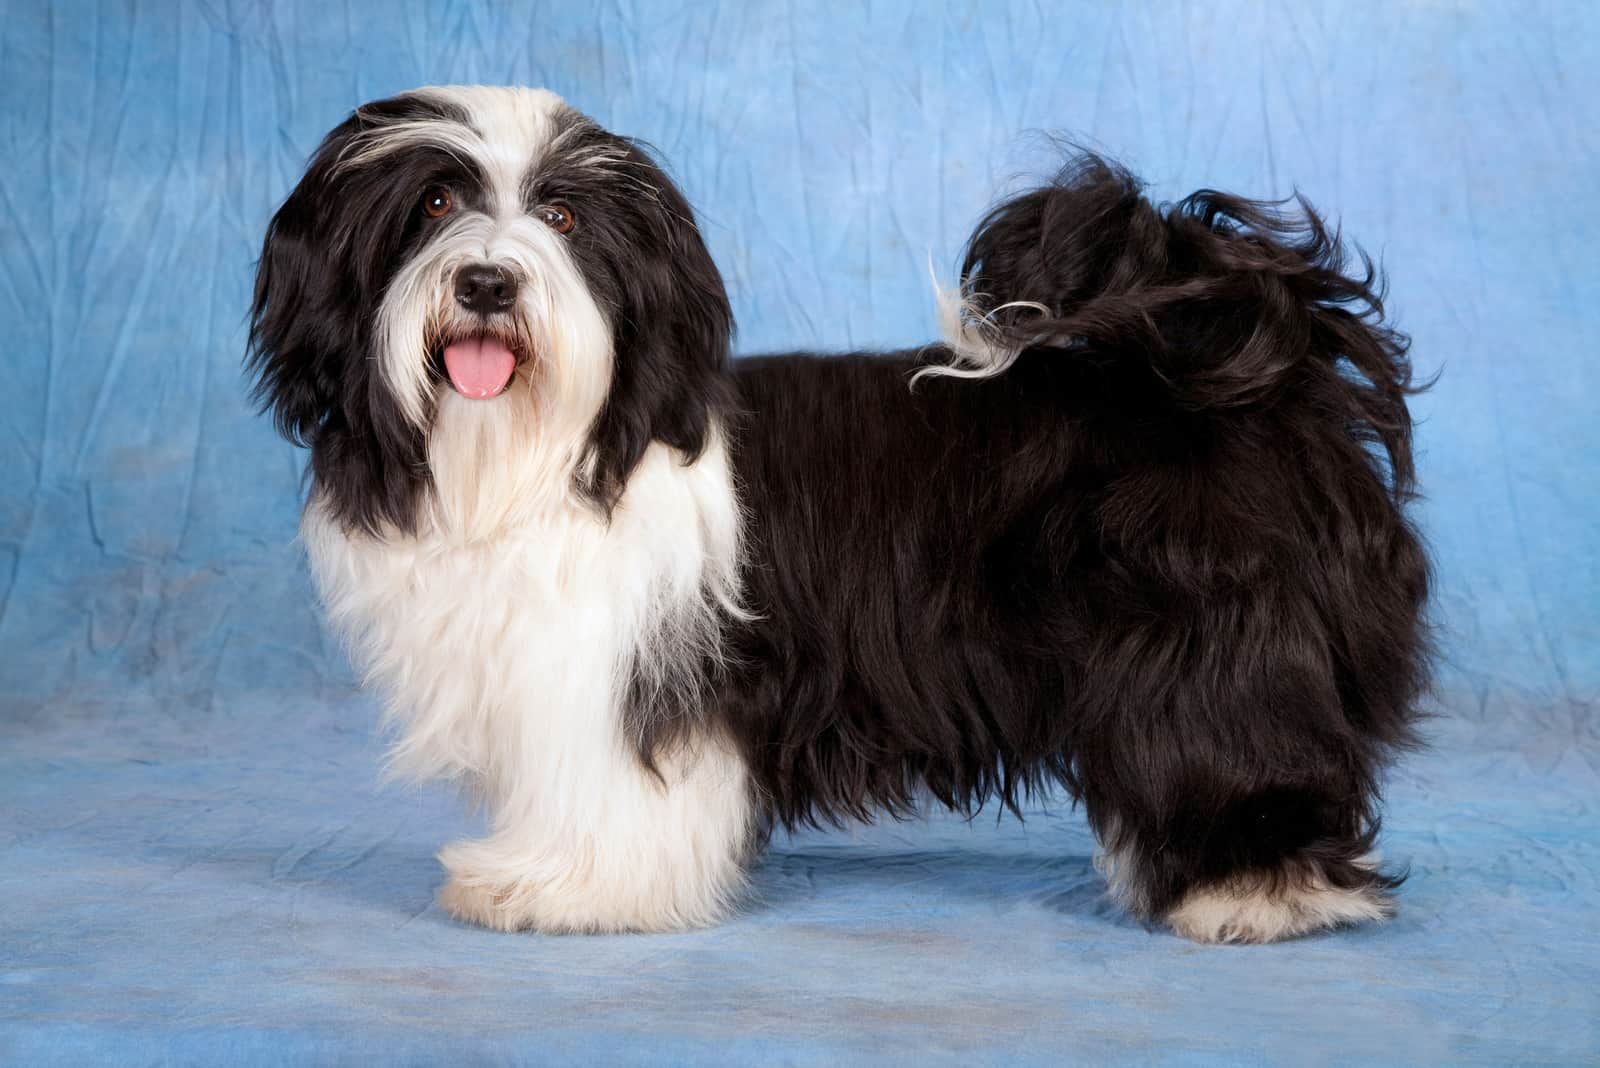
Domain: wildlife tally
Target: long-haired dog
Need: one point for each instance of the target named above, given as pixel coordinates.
(1136, 529)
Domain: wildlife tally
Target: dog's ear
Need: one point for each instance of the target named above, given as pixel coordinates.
(324, 265)
(299, 336)
(673, 329)
(322, 271)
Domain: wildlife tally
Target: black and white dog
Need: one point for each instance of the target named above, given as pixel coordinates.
(1135, 529)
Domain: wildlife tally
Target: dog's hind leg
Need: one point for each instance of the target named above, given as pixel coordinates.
(1239, 886)
(1232, 767)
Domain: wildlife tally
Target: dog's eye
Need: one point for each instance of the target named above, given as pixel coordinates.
(437, 202)
(558, 217)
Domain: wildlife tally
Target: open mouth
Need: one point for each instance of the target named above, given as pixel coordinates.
(479, 366)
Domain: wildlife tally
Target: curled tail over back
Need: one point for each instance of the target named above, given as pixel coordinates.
(1218, 302)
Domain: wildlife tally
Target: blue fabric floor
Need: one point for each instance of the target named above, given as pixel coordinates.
(233, 887)
(197, 862)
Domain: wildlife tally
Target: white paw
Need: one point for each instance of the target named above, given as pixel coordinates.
(506, 893)
(485, 905)
(577, 895)
(1260, 910)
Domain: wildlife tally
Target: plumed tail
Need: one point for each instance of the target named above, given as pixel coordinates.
(1216, 303)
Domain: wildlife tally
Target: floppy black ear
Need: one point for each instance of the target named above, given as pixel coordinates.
(673, 329)
(318, 284)
(296, 347)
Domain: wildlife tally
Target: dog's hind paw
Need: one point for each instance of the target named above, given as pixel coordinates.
(1259, 909)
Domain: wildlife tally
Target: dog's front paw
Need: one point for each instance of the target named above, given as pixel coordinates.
(483, 892)
(510, 890)
(485, 905)
(507, 890)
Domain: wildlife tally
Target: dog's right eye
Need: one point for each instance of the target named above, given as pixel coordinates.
(436, 202)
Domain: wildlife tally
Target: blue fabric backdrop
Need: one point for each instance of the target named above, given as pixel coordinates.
(196, 861)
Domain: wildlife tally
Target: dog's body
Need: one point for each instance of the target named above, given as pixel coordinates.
(1122, 534)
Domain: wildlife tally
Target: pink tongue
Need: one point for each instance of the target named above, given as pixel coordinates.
(479, 367)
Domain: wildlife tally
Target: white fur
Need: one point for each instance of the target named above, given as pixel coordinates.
(504, 632)
(503, 660)
(509, 126)
(1248, 908)
(978, 349)
(1261, 909)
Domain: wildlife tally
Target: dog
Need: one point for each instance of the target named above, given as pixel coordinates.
(1136, 529)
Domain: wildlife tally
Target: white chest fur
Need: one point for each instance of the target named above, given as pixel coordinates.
(504, 660)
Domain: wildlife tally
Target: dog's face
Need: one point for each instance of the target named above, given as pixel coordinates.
(477, 285)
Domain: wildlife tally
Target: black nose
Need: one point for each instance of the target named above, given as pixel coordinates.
(485, 289)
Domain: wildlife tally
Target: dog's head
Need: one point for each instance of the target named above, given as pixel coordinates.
(478, 293)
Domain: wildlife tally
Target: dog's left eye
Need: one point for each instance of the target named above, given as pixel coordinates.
(558, 217)
(437, 202)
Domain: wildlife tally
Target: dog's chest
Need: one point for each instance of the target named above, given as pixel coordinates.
(530, 615)
(532, 636)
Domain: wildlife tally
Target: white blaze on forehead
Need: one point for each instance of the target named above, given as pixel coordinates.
(506, 131)
(512, 129)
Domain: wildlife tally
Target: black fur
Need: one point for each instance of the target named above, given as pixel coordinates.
(1152, 562)
(646, 265)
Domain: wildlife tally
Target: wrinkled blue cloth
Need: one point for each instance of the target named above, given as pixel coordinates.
(197, 862)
